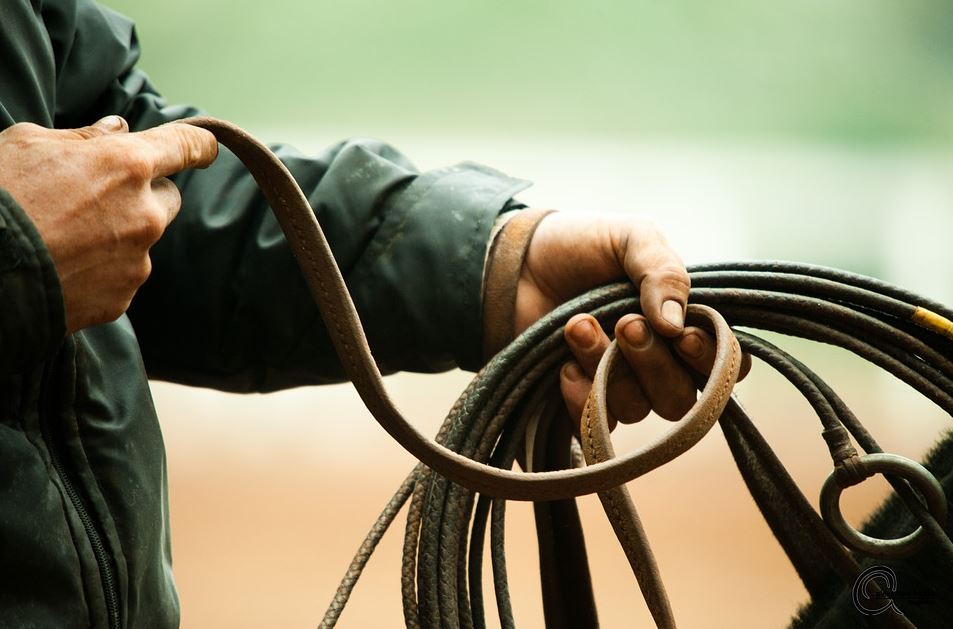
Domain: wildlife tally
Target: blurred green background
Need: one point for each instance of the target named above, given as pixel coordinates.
(811, 130)
(852, 71)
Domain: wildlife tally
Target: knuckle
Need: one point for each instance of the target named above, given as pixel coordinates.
(170, 197)
(135, 275)
(182, 140)
(22, 129)
(670, 275)
(174, 195)
(150, 226)
(22, 135)
(648, 234)
(194, 151)
(141, 272)
(195, 144)
(137, 162)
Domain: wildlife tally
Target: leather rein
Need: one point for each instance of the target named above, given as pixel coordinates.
(511, 412)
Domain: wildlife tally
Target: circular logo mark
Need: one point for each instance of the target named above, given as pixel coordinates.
(873, 589)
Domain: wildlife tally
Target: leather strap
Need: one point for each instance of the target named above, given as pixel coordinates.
(618, 504)
(888, 337)
(507, 252)
(565, 580)
(310, 248)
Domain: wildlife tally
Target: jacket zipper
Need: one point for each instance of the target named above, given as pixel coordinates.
(107, 575)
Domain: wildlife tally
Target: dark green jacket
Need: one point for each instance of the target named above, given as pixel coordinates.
(84, 537)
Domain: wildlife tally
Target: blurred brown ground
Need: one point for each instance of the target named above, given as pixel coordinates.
(272, 494)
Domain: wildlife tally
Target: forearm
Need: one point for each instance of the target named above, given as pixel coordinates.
(227, 307)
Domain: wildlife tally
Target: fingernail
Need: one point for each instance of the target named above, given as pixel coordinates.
(637, 334)
(691, 346)
(110, 123)
(672, 312)
(584, 334)
(572, 371)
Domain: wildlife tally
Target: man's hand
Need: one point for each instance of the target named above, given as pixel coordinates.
(570, 254)
(100, 199)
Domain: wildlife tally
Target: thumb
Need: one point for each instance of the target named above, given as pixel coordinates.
(104, 126)
(662, 280)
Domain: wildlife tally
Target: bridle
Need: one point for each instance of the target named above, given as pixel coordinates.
(512, 411)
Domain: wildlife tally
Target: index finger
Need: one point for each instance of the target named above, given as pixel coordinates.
(662, 280)
(176, 146)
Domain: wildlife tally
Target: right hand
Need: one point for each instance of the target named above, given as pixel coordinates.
(570, 254)
(100, 199)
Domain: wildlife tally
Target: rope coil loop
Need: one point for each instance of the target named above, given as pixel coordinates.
(314, 256)
(512, 412)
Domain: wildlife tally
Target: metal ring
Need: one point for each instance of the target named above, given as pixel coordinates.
(896, 465)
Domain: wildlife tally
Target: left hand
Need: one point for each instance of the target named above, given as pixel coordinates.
(570, 254)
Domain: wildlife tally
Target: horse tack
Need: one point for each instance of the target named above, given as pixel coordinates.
(510, 405)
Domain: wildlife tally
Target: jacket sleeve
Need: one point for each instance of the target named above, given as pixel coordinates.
(32, 323)
(226, 306)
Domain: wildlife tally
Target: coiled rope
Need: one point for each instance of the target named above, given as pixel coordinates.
(512, 411)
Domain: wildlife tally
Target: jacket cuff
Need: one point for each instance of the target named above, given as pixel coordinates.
(32, 317)
(504, 263)
(426, 265)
